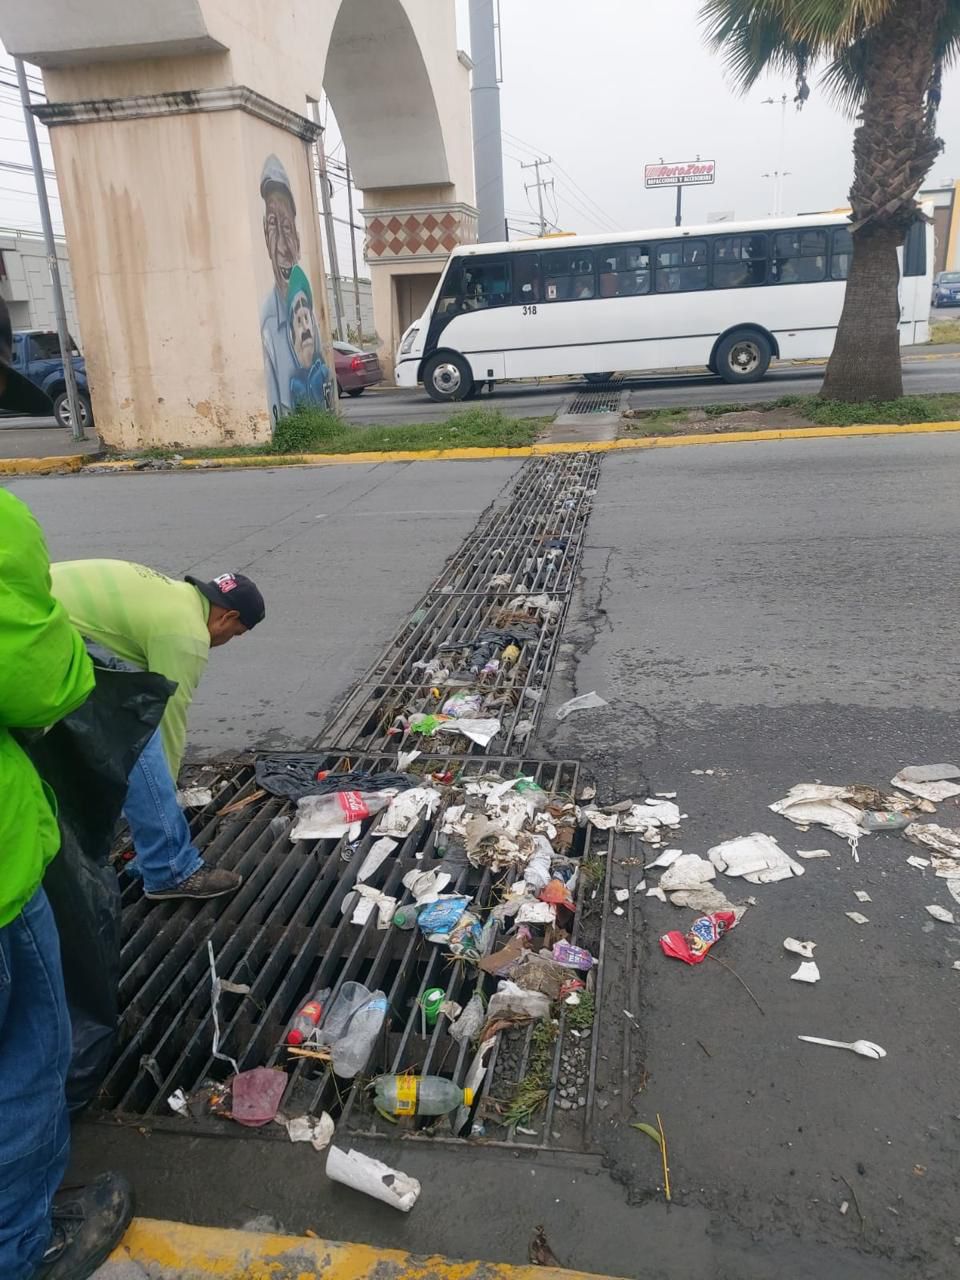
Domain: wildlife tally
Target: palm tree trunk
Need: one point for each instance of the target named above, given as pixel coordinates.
(865, 364)
(893, 149)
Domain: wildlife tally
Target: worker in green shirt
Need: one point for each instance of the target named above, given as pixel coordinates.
(167, 627)
(45, 673)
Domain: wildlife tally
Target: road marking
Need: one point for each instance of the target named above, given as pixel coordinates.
(171, 1250)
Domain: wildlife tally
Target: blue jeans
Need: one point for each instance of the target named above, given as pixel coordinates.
(34, 1057)
(166, 855)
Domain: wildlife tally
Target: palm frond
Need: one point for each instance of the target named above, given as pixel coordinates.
(753, 37)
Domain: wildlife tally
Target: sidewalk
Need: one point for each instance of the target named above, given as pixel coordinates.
(40, 438)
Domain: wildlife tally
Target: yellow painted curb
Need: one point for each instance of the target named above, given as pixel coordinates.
(37, 466)
(542, 450)
(175, 1251)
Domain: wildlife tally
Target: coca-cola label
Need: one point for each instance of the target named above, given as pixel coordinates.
(685, 174)
(354, 809)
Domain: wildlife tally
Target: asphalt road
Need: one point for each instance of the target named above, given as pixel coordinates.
(921, 376)
(780, 614)
(773, 612)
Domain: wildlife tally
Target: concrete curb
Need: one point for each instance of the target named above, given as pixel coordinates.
(176, 1251)
(541, 450)
(41, 466)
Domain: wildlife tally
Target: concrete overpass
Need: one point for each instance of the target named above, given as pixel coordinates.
(183, 139)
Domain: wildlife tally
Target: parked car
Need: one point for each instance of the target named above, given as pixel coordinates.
(946, 289)
(356, 369)
(36, 354)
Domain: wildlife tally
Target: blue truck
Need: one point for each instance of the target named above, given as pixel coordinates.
(36, 354)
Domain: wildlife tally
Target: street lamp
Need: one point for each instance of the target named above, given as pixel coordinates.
(778, 178)
(779, 174)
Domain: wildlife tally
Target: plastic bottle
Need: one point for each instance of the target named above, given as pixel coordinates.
(405, 917)
(351, 997)
(885, 821)
(304, 1021)
(354, 1046)
(419, 1095)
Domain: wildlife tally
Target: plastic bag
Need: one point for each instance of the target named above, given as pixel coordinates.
(692, 947)
(295, 776)
(86, 759)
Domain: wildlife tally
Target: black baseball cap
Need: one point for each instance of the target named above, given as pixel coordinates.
(233, 591)
(17, 393)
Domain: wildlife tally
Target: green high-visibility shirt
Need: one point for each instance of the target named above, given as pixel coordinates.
(45, 674)
(147, 619)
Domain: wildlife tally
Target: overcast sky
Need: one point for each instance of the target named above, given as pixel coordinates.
(603, 89)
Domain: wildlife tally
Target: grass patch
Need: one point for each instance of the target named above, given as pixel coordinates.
(311, 430)
(838, 413)
(534, 1089)
(580, 1016)
(945, 331)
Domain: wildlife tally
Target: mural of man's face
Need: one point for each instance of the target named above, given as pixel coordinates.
(280, 233)
(304, 334)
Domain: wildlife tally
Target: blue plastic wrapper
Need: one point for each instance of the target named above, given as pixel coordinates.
(441, 917)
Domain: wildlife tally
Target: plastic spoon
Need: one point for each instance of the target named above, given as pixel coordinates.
(866, 1048)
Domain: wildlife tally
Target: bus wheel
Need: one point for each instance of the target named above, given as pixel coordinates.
(448, 377)
(743, 356)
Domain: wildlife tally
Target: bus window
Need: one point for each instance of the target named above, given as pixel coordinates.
(486, 283)
(681, 266)
(526, 278)
(841, 253)
(567, 275)
(739, 261)
(799, 257)
(449, 301)
(624, 270)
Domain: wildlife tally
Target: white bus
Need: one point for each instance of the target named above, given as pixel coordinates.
(728, 296)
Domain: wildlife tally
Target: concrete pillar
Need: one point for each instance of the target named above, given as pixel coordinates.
(189, 218)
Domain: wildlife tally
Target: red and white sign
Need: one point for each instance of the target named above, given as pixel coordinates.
(691, 173)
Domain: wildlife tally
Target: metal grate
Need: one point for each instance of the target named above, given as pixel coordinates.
(596, 402)
(530, 546)
(284, 935)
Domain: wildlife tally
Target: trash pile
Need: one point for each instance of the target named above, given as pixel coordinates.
(470, 880)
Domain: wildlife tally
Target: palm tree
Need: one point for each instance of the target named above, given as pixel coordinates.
(884, 63)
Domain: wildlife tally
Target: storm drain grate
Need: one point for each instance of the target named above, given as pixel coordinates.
(514, 573)
(284, 933)
(602, 401)
(284, 936)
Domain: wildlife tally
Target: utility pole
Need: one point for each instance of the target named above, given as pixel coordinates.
(540, 184)
(353, 254)
(679, 220)
(53, 262)
(328, 223)
(485, 109)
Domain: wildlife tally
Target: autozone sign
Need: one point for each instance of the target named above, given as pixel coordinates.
(692, 173)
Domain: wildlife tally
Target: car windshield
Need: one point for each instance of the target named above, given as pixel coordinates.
(346, 349)
(950, 277)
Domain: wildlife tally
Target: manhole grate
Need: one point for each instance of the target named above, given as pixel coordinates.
(285, 937)
(602, 401)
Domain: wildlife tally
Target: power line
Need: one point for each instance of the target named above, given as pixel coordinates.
(589, 200)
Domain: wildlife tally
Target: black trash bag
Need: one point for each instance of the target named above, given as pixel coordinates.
(295, 776)
(86, 759)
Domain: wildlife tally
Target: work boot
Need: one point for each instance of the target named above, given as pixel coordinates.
(88, 1224)
(207, 882)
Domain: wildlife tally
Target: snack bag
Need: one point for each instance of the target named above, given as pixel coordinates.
(693, 946)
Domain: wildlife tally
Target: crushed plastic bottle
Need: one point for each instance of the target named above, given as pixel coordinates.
(419, 1095)
(885, 820)
(352, 1050)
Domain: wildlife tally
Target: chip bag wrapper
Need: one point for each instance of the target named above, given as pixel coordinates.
(692, 947)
